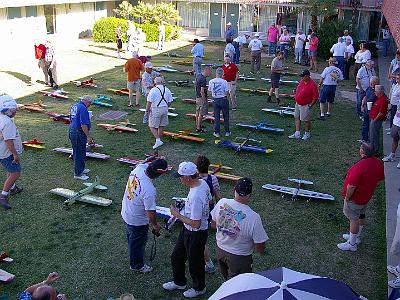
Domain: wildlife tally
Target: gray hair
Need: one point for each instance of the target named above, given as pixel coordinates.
(367, 149)
(158, 80)
(87, 98)
(370, 62)
(219, 72)
(379, 88)
(374, 79)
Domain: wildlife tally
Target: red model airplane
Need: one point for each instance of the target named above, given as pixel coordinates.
(34, 143)
(59, 117)
(123, 91)
(60, 94)
(85, 83)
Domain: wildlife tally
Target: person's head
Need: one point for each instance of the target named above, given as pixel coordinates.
(363, 46)
(345, 32)
(219, 72)
(374, 81)
(149, 67)
(313, 34)
(299, 31)
(366, 150)
(87, 100)
(207, 71)
(8, 106)
(229, 24)
(305, 75)
(332, 61)
(196, 41)
(187, 173)
(280, 55)
(340, 40)
(348, 41)
(369, 64)
(273, 24)
(256, 35)
(44, 292)
(158, 80)
(202, 163)
(309, 31)
(227, 60)
(126, 296)
(397, 77)
(134, 54)
(157, 168)
(243, 190)
(285, 31)
(379, 90)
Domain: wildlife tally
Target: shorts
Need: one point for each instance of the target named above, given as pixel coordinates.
(327, 94)
(158, 117)
(312, 53)
(9, 165)
(232, 265)
(353, 211)
(303, 112)
(395, 132)
(119, 44)
(202, 106)
(134, 85)
(275, 77)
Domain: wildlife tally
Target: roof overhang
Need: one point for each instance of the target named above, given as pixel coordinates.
(19, 3)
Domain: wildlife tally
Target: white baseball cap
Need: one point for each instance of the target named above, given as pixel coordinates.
(257, 35)
(7, 102)
(148, 64)
(186, 168)
(229, 24)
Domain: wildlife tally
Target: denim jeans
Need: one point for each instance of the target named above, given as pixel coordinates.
(78, 140)
(298, 52)
(365, 127)
(137, 239)
(237, 52)
(197, 65)
(386, 46)
(347, 65)
(283, 48)
(271, 48)
(161, 41)
(360, 96)
(340, 63)
(221, 104)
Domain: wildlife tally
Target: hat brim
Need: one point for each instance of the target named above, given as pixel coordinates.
(177, 175)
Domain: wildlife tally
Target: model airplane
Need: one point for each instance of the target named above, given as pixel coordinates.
(84, 194)
(100, 101)
(59, 117)
(88, 153)
(34, 144)
(262, 126)
(120, 127)
(165, 212)
(182, 62)
(193, 101)
(212, 65)
(283, 111)
(244, 78)
(242, 146)
(285, 68)
(184, 135)
(134, 162)
(167, 69)
(85, 83)
(264, 92)
(217, 168)
(297, 192)
(282, 81)
(60, 94)
(208, 117)
(123, 91)
(180, 83)
(5, 276)
(170, 114)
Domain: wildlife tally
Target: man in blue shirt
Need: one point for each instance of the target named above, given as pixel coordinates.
(229, 33)
(79, 135)
(198, 54)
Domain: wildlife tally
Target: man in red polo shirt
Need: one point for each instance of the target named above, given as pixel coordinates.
(359, 187)
(377, 115)
(305, 97)
(231, 72)
(40, 53)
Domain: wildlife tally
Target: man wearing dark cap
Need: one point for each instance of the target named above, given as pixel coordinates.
(139, 209)
(305, 97)
(193, 237)
(239, 231)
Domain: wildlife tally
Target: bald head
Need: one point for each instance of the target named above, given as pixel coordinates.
(44, 292)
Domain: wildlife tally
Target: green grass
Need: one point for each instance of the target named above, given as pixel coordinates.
(86, 244)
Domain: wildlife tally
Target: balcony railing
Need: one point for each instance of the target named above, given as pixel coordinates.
(372, 4)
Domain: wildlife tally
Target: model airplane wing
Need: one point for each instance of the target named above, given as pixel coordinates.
(282, 81)
(298, 192)
(123, 91)
(183, 136)
(300, 181)
(245, 147)
(206, 118)
(193, 101)
(118, 127)
(5, 276)
(281, 112)
(261, 127)
(221, 175)
(86, 198)
(88, 154)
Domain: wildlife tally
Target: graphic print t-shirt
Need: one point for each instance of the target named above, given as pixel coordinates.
(218, 87)
(331, 75)
(238, 227)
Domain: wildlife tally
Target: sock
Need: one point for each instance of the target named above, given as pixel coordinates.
(297, 132)
(209, 263)
(353, 238)
(158, 140)
(4, 193)
(359, 230)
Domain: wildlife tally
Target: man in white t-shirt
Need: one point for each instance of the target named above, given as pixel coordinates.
(139, 209)
(338, 50)
(238, 44)
(193, 237)
(10, 149)
(255, 47)
(298, 47)
(239, 231)
(363, 77)
(219, 89)
(346, 37)
(348, 54)
(329, 80)
(307, 47)
(229, 51)
(158, 101)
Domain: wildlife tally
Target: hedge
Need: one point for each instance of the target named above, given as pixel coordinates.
(104, 30)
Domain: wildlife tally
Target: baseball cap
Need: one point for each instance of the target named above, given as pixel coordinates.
(157, 167)
(257, 35)
(333, 60)
(148, 65)
(244, 186)
(7, 102)
(305, 72)
(186, 168)
(229, 24)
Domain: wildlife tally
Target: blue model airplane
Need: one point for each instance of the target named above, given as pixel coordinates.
(100, 101)
(261, 126)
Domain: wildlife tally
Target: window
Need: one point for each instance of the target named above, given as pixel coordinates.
(31, 11)
(193, 14)
(13, 13)
(99, 5)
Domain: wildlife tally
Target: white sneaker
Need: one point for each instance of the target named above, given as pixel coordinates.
(388, 133)
(346, 236)
(158, 144)
(216, 134)
(306, 136)
(209, 269)
(144, 269)
(227, 134)
(82, 177)
(393, 270)
(294, 136)
(398, 166)
(192, 293)
(171, 286)
(394, 284)
(86, 171)
(347, 246)
(388, 158)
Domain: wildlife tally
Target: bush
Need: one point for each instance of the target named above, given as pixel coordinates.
(104, 30)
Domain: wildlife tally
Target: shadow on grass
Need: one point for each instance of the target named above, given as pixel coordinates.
(101, 54)
(20, 76)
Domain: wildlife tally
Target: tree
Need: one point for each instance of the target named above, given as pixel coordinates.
(154, 14)
(323, 8)
(355, 5)
(124, 10)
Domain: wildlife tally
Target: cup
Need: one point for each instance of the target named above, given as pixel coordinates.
(90, 114)
(369, 105)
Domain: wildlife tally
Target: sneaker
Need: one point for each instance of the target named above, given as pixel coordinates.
(201, 130)
(209, 269)
(82, 177)
(144, 269)
(86, 171)
(228, 134)
(388, 158)
(306, 136)
(322, 118)
(328, 114)
(234, 108)
(346, 246)
(398, 166)
(4, 202)
(216, 134)
(394, 284)
(171, 286)
(346, 236)
(158, 144)
(192, 293)
(294, 136)
(393, 270)
(15, 190)
(388, 133)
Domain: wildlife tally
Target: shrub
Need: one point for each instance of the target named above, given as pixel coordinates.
(104, 30)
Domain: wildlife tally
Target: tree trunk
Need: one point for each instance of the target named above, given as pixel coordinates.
(314, 23)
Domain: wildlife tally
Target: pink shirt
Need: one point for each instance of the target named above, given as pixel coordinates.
(284, 38)
(272, 33)
(313, 44)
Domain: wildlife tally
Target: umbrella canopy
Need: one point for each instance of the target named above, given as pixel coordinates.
(283, 283)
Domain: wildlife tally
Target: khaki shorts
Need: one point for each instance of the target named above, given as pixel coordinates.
(353, 211)
(158, 117)
(202, 106)
(395, 132)
(231, 264)
(303, 112)
(133, 85)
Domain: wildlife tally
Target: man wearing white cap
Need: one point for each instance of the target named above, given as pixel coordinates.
(193, 237)
(148, 78)
(158, 101)
(255, 46)
(10, 148)
(229, 33)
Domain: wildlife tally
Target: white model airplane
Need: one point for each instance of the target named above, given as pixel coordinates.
(165, 212)
(283, 111)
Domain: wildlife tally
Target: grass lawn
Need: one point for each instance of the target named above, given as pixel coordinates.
(87, 245)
